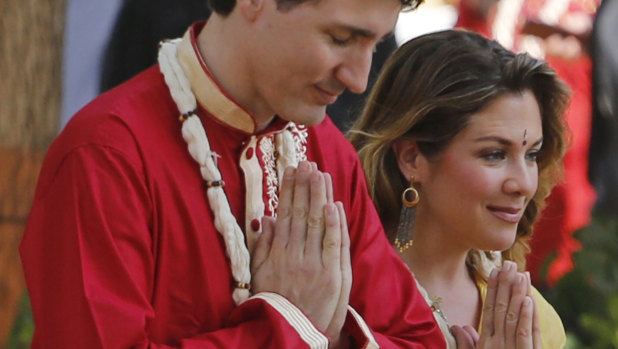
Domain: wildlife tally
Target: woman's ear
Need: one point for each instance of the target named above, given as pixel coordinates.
(409, 158)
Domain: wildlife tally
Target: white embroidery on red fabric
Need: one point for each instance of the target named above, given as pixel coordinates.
(300, 134)
(269, 159)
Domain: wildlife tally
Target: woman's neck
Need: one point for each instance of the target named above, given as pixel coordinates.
(441, 269)
(434, 259)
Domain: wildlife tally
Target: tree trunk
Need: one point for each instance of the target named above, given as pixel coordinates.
(31, 33)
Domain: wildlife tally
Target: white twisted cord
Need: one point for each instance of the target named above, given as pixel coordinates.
(178, 84)
(194, 134)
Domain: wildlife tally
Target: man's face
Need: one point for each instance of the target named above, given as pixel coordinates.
(304, 57)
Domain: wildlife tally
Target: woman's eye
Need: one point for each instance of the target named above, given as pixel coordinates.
(493, 156)
(533, 155)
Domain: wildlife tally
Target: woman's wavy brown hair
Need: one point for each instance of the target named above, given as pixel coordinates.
(426, 93)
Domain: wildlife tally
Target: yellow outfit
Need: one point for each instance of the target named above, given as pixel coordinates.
(552, 330)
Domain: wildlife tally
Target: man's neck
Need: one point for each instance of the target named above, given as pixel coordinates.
(227, 62)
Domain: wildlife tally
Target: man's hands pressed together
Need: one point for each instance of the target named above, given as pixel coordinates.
(304, 253)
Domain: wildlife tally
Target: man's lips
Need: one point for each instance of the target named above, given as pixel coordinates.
(327, 97)
(508, 214)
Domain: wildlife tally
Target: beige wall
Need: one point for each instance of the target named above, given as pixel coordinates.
(31, 34)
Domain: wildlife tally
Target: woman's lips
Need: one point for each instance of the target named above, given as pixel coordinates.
(507, 214)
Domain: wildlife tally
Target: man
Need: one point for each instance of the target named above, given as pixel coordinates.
(136, 241)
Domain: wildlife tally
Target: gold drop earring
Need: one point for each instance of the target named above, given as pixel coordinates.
(409, 200)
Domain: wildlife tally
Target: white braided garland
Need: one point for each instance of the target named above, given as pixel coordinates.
(194, 134)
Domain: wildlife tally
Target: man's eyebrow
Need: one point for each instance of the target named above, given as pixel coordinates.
(363, 32)
(387, 35)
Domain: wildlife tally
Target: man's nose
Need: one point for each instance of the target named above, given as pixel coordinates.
(354, 71)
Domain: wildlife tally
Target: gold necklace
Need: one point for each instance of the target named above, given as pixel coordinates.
(435, 307)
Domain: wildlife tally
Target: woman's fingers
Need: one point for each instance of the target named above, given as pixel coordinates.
(472, 332)
(490, 301)
(518, 293)
(524, 327)
(506, 280)
(536, 327)
(463, 338)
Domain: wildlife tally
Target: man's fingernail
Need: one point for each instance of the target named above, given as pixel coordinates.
(316, 177)
(330, 209)
(304, 166)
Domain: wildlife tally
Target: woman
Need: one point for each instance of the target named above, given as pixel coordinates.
(474, 133)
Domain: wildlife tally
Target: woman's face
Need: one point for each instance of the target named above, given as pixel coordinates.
(475, 192)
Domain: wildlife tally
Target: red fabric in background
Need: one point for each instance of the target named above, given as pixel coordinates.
(570, 203)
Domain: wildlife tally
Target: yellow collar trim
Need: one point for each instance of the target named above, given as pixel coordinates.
(208, 93)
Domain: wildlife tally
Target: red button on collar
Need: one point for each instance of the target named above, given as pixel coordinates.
(255, 225)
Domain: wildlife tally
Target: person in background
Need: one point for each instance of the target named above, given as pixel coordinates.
(138, 29)
(459, 154)
(604, 139)
(86, 32)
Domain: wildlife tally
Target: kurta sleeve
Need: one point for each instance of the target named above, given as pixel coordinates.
(89, 261)
(388, 308)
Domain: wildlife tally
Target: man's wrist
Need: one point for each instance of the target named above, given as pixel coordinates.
(343, 341)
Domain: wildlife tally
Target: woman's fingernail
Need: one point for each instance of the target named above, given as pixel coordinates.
(507, 266)
(493, 274)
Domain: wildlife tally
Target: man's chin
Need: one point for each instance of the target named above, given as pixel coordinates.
(315, 120)
(309, 118)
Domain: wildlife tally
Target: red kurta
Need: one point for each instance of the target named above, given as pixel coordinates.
(120, 249)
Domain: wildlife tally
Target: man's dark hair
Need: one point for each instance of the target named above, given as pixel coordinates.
(225, 7)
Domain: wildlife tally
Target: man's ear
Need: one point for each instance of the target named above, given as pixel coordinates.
(409, 158)
(251, 9)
